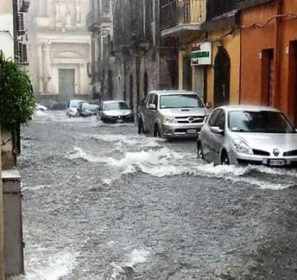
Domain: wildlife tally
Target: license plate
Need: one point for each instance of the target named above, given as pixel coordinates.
(276, 162)
(120, 121)
(192, 131)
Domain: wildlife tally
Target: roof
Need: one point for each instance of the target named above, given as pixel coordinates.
(172, 91)
(113, 101)
(248, 107)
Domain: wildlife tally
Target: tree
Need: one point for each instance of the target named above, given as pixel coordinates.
(17, 102)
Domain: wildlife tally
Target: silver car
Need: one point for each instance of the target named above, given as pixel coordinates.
(248, 134)
(72, 107)
(114, 111)
(171, 114)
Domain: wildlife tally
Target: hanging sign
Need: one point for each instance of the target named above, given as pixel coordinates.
(201, 54)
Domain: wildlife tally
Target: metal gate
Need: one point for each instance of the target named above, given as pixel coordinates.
(66, 84)
(222, 78)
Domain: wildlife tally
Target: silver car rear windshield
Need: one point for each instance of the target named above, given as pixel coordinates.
(180, 101)
(115, 106)
(259, 121)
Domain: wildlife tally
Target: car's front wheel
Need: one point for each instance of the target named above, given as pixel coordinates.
(140, 127)
(200, 153)
(157, 132)
(225, 158)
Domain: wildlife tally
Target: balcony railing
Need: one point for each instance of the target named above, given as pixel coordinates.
(21, 24)
(182, 12)
(24, 5)
(22, 53)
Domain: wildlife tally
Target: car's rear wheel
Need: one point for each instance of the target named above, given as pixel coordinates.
(224, 158)
(140, 127)
(200, 153)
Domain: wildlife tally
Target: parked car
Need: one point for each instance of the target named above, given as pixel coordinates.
(72, 108)
(115, 111)
(171, 114)
(87, 109)
(40, 107)
(248, 134)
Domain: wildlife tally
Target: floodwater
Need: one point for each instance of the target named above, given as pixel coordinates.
(101, 202)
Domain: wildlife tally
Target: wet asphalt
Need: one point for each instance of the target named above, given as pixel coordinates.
(101, 202)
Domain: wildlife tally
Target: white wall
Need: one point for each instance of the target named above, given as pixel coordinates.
(6, 35)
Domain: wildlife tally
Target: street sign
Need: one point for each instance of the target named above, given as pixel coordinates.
(201, 54)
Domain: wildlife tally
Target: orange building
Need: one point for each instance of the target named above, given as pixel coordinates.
(269, 56)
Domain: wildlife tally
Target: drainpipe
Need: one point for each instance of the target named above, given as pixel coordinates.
(277, 54)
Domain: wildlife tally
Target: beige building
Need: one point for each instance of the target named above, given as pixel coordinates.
(60, 50)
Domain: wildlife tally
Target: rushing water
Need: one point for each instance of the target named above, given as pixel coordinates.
(101, 202)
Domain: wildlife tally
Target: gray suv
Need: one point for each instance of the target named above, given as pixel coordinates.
(171, 114)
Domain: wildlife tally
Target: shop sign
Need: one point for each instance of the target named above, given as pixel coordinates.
(201, 54)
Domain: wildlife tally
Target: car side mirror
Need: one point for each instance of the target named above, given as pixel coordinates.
(152, 106)
(217, 130)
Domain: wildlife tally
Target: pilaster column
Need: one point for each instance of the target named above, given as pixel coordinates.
(40, 68)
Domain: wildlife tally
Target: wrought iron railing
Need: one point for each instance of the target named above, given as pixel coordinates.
(179, 12)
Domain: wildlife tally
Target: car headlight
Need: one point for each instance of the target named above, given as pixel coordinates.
(170, 120)
(242, 147)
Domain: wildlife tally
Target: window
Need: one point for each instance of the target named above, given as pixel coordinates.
(221, 119)
(259, 122)
(213, 117)
(151, 98)
(180, 101)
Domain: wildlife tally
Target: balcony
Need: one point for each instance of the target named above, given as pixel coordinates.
(96, 18)
(181, 17)
(24, 5)
(22, 54)
(21, 24)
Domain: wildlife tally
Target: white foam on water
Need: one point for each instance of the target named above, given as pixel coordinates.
(79, 153)
(35, 188)
(121, 140)
(134, 258)
(164, 162)
(57, 267)
(137, 256)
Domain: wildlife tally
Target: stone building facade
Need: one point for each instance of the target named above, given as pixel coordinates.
(131, 59)
(141, 61)
(60, 50)
(99, 23)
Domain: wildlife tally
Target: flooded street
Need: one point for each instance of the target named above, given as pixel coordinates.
(101, 202)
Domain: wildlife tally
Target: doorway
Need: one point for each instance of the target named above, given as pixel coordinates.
(66, 84)
(267, 78)
(222, 78)
(187, 72)
(110, 84)
(292, 85)
(145, 84)
(131, 99)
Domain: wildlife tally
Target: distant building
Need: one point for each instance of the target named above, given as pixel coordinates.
(60, 50)
(128, 59)
(99, 23)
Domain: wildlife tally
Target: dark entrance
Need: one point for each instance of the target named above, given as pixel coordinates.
(131, 100)
(109, 84)
(267, 78)
(187, 72)
(222, 78)
(292, 87)
(145, 84)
